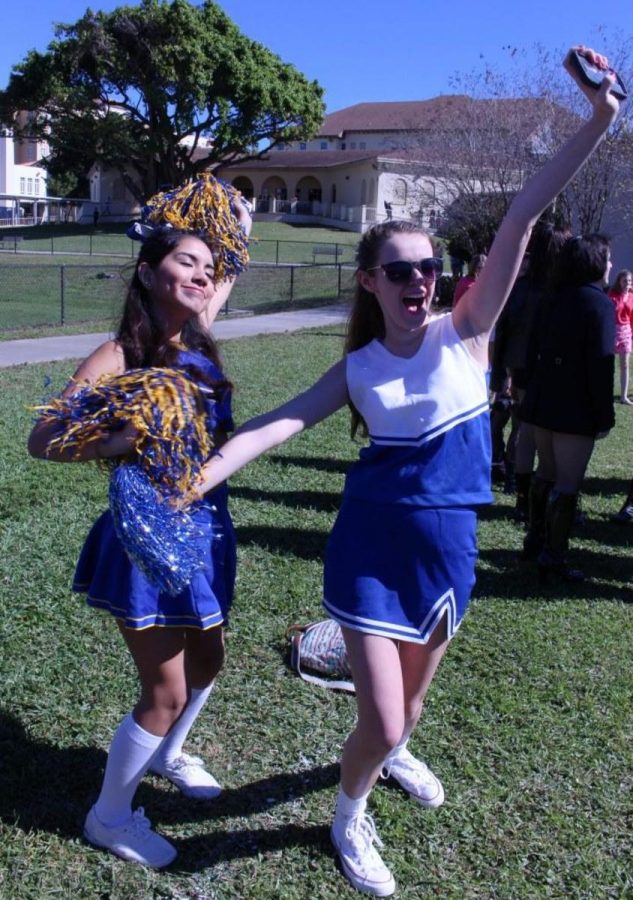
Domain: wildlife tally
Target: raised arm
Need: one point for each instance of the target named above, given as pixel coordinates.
(264, 432)
(478, 310)
(223, 288)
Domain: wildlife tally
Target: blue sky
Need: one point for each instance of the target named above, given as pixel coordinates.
(363, 50)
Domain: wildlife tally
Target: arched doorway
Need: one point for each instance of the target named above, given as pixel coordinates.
(309, 188)
(245, 186)
(275, 187)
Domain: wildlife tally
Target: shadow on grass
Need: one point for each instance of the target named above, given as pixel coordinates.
(503, 575)
(596, 487)
(44, 788)
(316, 500)
(203, 851)
(285, 541)
(320, 463)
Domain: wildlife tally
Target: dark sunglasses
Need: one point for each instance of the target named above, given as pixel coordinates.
(400, 271)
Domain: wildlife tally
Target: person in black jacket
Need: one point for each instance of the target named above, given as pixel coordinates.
(510, 355)
(569, 398)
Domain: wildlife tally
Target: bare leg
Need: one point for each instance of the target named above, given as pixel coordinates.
(159, 656)
(624, 377)
(377, 673)
(419, 664)
(391, 683)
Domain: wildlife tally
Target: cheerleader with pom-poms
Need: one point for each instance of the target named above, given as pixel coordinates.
(152, 405)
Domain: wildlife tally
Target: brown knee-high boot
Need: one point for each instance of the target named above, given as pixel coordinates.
(560, 516)
(537, 503)
(522, 481)
(625, 516)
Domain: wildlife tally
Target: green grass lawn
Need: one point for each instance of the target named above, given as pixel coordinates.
(528, 722)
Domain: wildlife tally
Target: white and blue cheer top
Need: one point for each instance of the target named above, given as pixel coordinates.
(428, 423)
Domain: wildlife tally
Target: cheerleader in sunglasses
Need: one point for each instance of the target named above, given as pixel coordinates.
(400, 561)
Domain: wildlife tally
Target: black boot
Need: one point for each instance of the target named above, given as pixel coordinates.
(522, 506)
(625, 516)
(560, 516)
(537, 504)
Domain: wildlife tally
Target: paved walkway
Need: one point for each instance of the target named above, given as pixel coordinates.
(33, 350)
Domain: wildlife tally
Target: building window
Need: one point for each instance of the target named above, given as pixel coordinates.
(23, 185)
(353, 145)
(323, 145)
(362, 145)
(343, 145)
(400, 191)
(303, 146)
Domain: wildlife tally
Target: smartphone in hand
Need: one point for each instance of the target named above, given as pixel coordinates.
(593, 76)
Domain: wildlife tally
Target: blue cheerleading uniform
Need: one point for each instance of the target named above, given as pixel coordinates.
(403, 549)
(113, 583)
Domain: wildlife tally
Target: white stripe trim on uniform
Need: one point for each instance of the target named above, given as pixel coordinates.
(445, 604)
(427, 436)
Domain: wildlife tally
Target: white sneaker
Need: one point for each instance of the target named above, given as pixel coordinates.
(415, 777)
(353, 840)
(133, 841)
(188, 774)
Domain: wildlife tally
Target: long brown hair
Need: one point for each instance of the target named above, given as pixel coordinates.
(139, 332)
(366, 320)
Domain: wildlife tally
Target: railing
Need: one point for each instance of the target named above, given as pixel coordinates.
(114, 245)
(52, 295)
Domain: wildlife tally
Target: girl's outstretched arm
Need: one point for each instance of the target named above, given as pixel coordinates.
(477, 312)
(264, 432)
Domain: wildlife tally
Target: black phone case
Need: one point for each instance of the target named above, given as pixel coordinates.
(592, 76)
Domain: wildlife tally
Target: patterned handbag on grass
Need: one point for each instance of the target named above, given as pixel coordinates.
(320, 647)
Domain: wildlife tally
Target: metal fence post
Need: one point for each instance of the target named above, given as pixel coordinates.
(90, 246)
(277, 253)
(338, 287)
(62, 286)
(292, 283)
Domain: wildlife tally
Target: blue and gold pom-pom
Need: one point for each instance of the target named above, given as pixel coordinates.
(207, 207)
(151, 490)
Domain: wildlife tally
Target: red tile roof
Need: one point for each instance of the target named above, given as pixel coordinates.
(307, 159)
(440, 113)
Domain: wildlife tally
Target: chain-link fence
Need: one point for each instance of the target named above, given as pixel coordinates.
(49, 295)
(104, 244)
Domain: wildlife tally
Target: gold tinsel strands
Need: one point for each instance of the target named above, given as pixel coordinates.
(165, 407)
(205, 207)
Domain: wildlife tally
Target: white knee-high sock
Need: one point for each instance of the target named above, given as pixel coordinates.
(131, 751)
(171, 748)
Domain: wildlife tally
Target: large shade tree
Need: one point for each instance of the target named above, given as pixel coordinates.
(144, 87)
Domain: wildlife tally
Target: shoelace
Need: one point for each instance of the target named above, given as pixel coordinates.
(362, 829)
(185, 762)
(413, 767)
(139, 824)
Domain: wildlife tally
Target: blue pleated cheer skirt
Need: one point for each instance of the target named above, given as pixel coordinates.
(396, 570)
(111, 582)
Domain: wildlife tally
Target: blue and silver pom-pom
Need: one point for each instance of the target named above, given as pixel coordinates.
(162, 541)
(205, 206)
